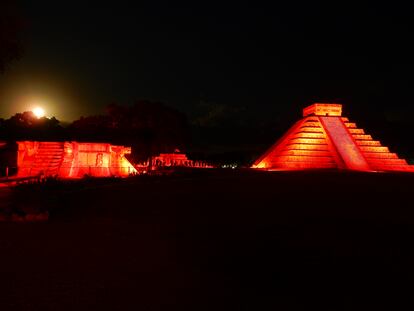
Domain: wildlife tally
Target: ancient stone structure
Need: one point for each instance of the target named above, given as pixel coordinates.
(324, 139)
(176, 159)
(72, 159)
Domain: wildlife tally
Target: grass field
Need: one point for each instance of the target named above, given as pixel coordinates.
(213, 240)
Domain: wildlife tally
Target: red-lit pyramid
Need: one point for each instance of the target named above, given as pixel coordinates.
(325, 140)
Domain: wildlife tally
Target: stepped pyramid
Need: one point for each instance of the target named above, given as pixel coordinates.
(324, 139)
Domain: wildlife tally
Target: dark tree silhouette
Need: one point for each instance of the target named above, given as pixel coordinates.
(11, 25)
(26, 125)
(150, 127)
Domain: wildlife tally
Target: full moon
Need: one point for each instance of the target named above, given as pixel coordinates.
(39, 112)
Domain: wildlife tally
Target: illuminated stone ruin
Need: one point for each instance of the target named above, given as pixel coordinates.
(72, 159)
(325, 140)
(176, 159)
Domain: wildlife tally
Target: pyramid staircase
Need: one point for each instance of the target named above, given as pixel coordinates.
(47, 160)
(379, 158)
(324, 139)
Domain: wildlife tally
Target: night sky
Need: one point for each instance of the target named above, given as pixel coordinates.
(247, 61)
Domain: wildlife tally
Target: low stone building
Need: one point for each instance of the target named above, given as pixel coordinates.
(72, 159)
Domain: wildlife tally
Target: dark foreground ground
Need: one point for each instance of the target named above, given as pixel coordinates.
(213, 241)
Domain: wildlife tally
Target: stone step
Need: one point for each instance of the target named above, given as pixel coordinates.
(310, 129)
(356, 131)
(388, 161)
(315, 153)
(308, 135)
(50, 150)
(368, 143)
(313, 141)
(374, 149)
(380, 155)
(350, 125)
(362, 137)
(306, 147)
(47, 158)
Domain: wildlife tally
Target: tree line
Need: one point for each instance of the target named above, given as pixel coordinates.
(148, 127)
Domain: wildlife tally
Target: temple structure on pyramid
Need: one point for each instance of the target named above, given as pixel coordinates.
(72, 159)
(324, 139)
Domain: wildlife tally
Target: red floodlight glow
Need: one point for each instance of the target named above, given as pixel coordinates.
(72, 159)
